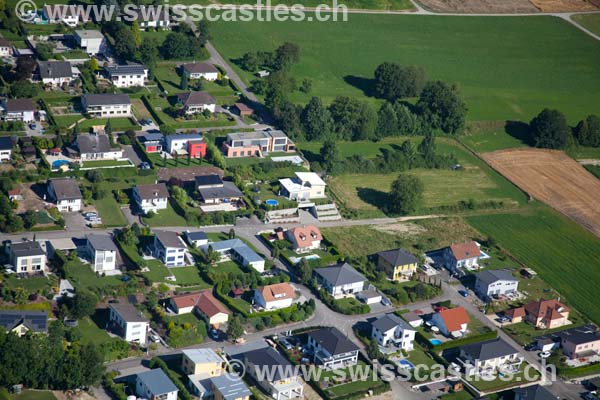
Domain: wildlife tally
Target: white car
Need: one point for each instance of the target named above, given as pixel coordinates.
(544, 354)
(154, 338)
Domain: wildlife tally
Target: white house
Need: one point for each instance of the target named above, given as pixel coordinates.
(152, 197)
(495, 282)
(200, 70)
(462, 255)
(340, 280)
(273, 297)
(489, 356)
(96, 147)
(56, 73)
(452, 322)
(5, 48)
(196, 102)
(106, 105)
(62, 13)
(129, 75)
(170, 248)
(390, 329)
(155, 385)
(18, 110)
(197, 238)
(332, 349)
(6, 146)
(303, 187)
(238, 251)
(102, 252)
(304, 238)
(26, 257)
(92, 41)
(128, 322)
(65, 193)
(186, 143)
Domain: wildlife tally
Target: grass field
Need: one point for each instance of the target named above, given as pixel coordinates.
(64, 121)
(564, 254)
(110, 211)
(167, 217)
(34, 395)
(497, 138)
(590, 21)
(106, 163)
(507, 67)
(118, 124)
(82, 276)
(594, 169)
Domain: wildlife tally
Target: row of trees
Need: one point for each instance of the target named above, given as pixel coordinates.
(549, 129)
(282, 58)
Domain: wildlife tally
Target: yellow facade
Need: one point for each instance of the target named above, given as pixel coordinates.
(206, 368)
(397, 273)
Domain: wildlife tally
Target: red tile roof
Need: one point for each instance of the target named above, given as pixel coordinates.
(463, 251)
(278, 291)
(209, 305)
(517, 312)
(305, 235)
(186, 300)
(454, 317)
(551, 309)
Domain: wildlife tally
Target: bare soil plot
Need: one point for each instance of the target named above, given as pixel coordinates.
(141, 112)
(554, 178)
(480, 6)
(32, 197)
(564, 5)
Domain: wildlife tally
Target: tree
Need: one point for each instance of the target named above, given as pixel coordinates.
(83, 304)
(25, 67)
(148, 52)
(352, 118)
(286, 55)
(58, 142)
(94, 64)
(441, 107)
(394, 81)
(405, 195)
(203, 32)
(373, 350)
(44, 50)
(231, 233)
(427, 149)
(184, 81)
(175, 46)
(135, 31)
(549, 129)
(30, 219)
(587, 131)
(212, 256)
(76, 129)
(387, 123)
(108, 128)
(24, 89)
(316, 120)
(304, 271)
(306, 85)
(125, 47)
(235, 330)
(330, 155)
(249, 61)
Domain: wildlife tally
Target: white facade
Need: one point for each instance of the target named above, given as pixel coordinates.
(59, 81)
(198, 108)
(147, 205)
(71, 205)
(5, 51)
(29, 264)
(209, 76)
(109, 110)
(155, 385)
(93, 42)
(400, 336)
(102, 260)
(5, 154)
(500, 287)
(305, 186)
(125, 80)
(340, 290)
(171, 256)
(132, 331)
(25, 116)
(273, 304)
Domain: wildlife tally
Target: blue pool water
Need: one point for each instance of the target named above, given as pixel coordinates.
(435, 342)
(406, 364)
(271, 202)
(58, 163)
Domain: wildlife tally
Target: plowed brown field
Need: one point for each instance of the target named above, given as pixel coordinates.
(554, 178)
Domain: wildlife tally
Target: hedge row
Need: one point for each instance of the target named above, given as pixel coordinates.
(116, 390)
(152, 111)
(423, 341)
(578, 372)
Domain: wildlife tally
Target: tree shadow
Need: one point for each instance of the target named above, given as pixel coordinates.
(312, 156)
(519, 130)
(374, 197)
(362, 83)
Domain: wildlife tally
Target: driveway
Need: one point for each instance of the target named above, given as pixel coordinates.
(74, 221)
(130, 153)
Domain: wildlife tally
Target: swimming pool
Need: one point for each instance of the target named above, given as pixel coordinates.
(435, 342)
(59, 163)
(406, 364)
(271, 202)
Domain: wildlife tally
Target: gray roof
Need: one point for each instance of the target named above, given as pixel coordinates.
(270, 358)
(231, 386)
(89, 34)
(196, 98)
(101, 242)
(37, 321)
(202, 356)
(6, 143)
(198, 68)
(106, 99)
(411, 316)
(170, 239)
(4, 42)
(246, 135)
(199, 235)
(55, 69)
(208, 180)
(332, 340)
(340, 274)
(489, 349)
(241, 248)
(398, 257)
(151, 137)
(128, 312)
(535, 392)
(153, 191)
(580, 335)
(489, 276)
(66, 188)
(390, 321)
(222, 192)
(157, 381)
(238, 350)
(93, 143)
(26, 249)
(19, 105)
(128, 69)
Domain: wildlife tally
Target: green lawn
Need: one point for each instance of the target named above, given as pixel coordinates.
(524, 333)
(64, 121)
(189, 276)
(491, 140)
(159, 162)
(118, 124)
(216, 120)
(106, 163)
(462, 395)
(188, 330)
(555, 247)
(34, 395)
(590, 21)
(507, 67)
(594, 169)
(581, 152)
(157, 271)
(31, 284)
(506, 382)
(81, 276)
(110, 211)
(166, 217)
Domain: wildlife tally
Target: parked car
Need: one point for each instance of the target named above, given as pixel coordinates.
(463, 293)
(530, 347)
(544, 354)
(286, 344)
(154, 338)
(145, 165)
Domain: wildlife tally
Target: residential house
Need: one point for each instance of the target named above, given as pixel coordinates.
(331, 348)
(257, 143)
(304, 186)
(201, 70)
(155, 385)
(203, 362)
(274, 297)
(452, 322)
(15, 195)
(153, 17)
(22, 321)
(304, 238)
(56, 73)
(495, 282)
(390, 329)
(547, 314)
(26, 257)
(238, 251)
(102, 252)
(128, 322)
(462, 255)
(62, 13)
(515, 315)
(580, 343)
(196, 102)
(106, 105)
(152, 197)
(211, 310)
(170, 248)
(184, 303)
(340, 280)
(229, 387)
(65, 193)
(5, 48)
(489, 356)
(152, 142)
(96, 147)
(6, 146)
(213, 190)
(413, 319)
(128, 75)
(398, 265)
(196, 239)
(191, 144)
(91, 41)
(284, 383)
(535, 392)
(18, 110)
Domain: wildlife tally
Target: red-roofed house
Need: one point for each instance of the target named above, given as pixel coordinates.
(547, 314)
(273, 297)
(515, 315)
(184, 303)
(451, 321)
(304, 238)
(15, 195)
(462, 255)
(211, 309)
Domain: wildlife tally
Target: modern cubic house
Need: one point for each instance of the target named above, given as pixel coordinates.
(332, 349)
(106, 105)
(305, 186)
(26, 257)
(462, 255)
(102, 253)
(91, 41)
(274, 297)
(452, 322)
(152, 142)
(153, 197)
(391, 330)
(185, 144)
(304, 238)
(257, 143)
(201, 70)
(580, 342)
(238, 251)
(20, 322)
(202, 362)
(495, 282)
(65, 193)
(6, 147)
(197, 238)
(55, 73)
(155, 385)
(196, 102)
(340, 280)
(96, 147)
(535, 392)
(398, 265)
(129, 75)
(18, 110)
(128, 322)
(284, 384)
(489, 356)
(170, 249)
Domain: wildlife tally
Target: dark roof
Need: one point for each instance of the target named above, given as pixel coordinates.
(101, 242)
(535, 392)
(37, 321)
(492, 275)
(151, 137)
(157, 381)
(93, 143)
(398, 257)
(4, 42)
(6, 143)
(208, 180)
(55, 69)
(195, 98)
(226, 191)
(340, 274)
(199, 235)
(128, 312)
(199, 68)
(332, 340)
(129, 69)
(231, 386)
(270, 358)
(390, 321)
(579, 335)
(489, 349)
(26, 249)
(169, 239)
(106, 99)
(19, 105)
(153, 191)
(66, 189)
